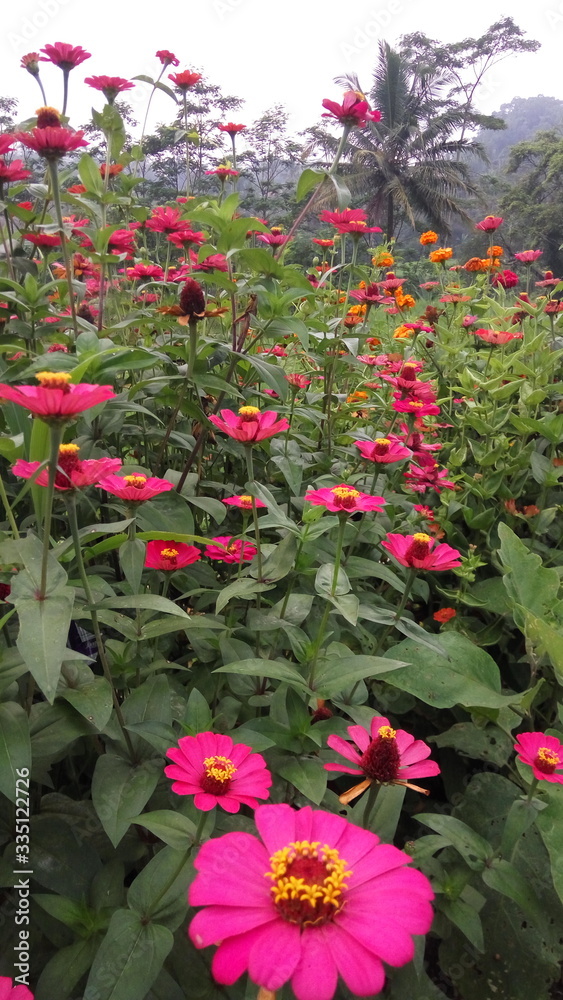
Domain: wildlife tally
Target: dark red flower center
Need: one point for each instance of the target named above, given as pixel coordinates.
(419, 547)
(309, 881)
(68, 462)
(381, 446)
(381, 760)
(345, 497)
(547, 760)
(218, 773)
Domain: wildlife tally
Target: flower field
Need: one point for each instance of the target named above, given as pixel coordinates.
(281, 650)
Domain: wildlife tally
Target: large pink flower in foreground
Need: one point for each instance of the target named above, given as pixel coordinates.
(51, 142)
(344, 499)
(136, 488)
(170, 555)
(9, 992)
(218, 772)
(383, 450)
(354, 110)
(73, 473)
(543, 753)
(417, 552)
(249, 424)
(383, 755)
(54, 400)
(314, 899)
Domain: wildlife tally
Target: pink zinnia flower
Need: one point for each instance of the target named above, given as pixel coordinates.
(273, 239)
(506, 279)
(544, 754)
(54, 399)
(368, 295)
(6, 143)
(217, 771)
(383, 755)
(150, 272)
(14, 171)
(298, 381)
(214, 262)
(343, 217)
(469, 321)
(167, 58)
(64, 55)
(231, 128)
(354, 110)
(415, 406)
(9, 992)
(110, 86)
(51, 142)
(344, 499)
(185, 237)
(72, 472)
(417, 552)
(184, 80)
(497, 337)
(427, 476)
(244, 501)
(223, 172)
(170, 555)
(382, 450)
(135, 488)
(165, 220)
(315, 898)
(528, 256)
(489, 223)
(225, 548)
(250, 424)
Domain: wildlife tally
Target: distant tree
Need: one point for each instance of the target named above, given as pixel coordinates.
(533, 206)
(523, 116)
(270, 160)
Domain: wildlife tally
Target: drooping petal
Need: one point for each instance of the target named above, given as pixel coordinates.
(274, 954)
(316, 976)
(359, 967)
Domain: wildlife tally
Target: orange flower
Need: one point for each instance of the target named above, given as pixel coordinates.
(115, 168)
(495, 251)
(476, 264)
(441, 255)
(404, 301)
(357, 310)
(357, 397)
(362, 284)
(373, 341)
(402, 331)
(444, 615)
(351, 320)
(428, 237)
(383, 259)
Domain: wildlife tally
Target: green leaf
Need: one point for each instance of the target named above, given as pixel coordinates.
(324, 578)
(89, 173)
(61, 863)
(42, 637)
(129, 958)
(246, 588)
(120, 790)
(88, 693)
(474, 849)
(507, 880)
(174, 829)
(308, 180)
(338, 673)
(308, 776)
(273, 376)
(132, 561)
(276, 669)
(15, 748)
(550, 823)
(198, 717)
(464, 916)
(527, 582)
(343, 195)
(159, 891)
(279, 560)
(65, 969)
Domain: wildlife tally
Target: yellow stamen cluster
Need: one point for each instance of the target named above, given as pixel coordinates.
(245, 500)
(169, 553)
(420, 536)
(387, 733)
(316, 894)
(383, 441)
(53, 380)
(136, 481)
(219, 768)
(69, 449)
(248, 412)
(344, 493)
(548, 756)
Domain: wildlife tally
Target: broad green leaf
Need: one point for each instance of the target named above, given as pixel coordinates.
(474, 849)
(62, 863)
(245, 589)
(307, 774)
(308, 180)
(527, 582)
(174, 829)
(338, 673)
(87, 692)
(15, 748)
(66, 968)
(120, 790)
(42, 637)
(129, 958)
(159, 891)
(276, 669)
(506, 879)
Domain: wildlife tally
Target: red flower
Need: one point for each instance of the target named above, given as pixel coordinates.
(244, 502)
(54, 399)
(30, 62)
(184, 80)
(225, 548)
(273, 239)
(76, 189)
(135, 488)
(150, 272)
(415, 406)
(250, 424)
(6, 143)
(64, 55)
(544, 754)
(122, 241)
(72, 472)
(170, 555)
(369, 294)
(110, 86)
(165, 220)
(323, 243)
(444, 615)
(223, 172)
(14, 171)
(43, 239)
(217, 771)
(497, 336)
(383, 755)
(383, 450)
(344, 499)
(489, 223)
(528, 256)
(57, 349)
(51, 142)
(276, 350)
(192, 299)
(347, 215)
(417, 552)
(427, 476)
(231, 128)
(185, 237)
(354, 110)
(215, 261)
(298, 381)
(167, 58)
(9, 992)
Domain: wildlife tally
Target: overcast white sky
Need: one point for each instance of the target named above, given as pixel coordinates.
(262, 51)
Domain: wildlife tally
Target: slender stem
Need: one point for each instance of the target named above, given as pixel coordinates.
(66, 256)
(533, 786)
(187, 144)
(192, 347)
(250, 470)
(411, 576)
(73, 522)
(101, 300)
(65, 90)
(146, 116)
(42, 89)
(328, 606)
(8, 509)
(56, 433)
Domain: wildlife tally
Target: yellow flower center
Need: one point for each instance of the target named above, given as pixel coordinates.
(169, 553)
(383, 441)
(309, 881)
(245, 500)
(54, 380)
(69, 449)
(420, 536)
(137, 482)
(387, 733)
(547, 760)
(218, 774)
(248, 412)
(344, 493)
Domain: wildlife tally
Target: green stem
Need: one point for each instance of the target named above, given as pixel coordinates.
(250, 471)
(56, 434)
(533, 786)
(54, 174)
(8, 509)
(328, 606)
(187, 145)
(372, 796)
(65, 90)
(411, 576)
(73, 522)
(192, 347)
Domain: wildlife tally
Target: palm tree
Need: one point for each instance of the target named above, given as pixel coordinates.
(407, 165)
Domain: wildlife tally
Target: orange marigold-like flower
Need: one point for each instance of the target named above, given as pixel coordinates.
(495, 251)
(475, 264)
(357, 310)
(383, 259)
(402, 331)
(404, 301)
(428, 237)
(357, 397)
(441, 255)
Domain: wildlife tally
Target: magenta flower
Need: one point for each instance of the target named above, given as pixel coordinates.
(489, 223)
(250, 424)
(528, 256)
(167, 58)
(273, 239)
(135, 489)
(427, 476)
(298, 381)
(382, 450)
(170, 555)
(145, 272)
(227, 549)
(72, 472)
(354, 110)
(54, 400)
(9, 992)
(64, 55)
(497, 337)
(217, 771)
(314, 899)
(344, 499)
(110, 86)
(415, 406)
(369, 295)
(417, 552)
(14, 171)
(51, 142)
(543, 753)
(244, 502)
(383, 755)
(6, 143)
(166, 220)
